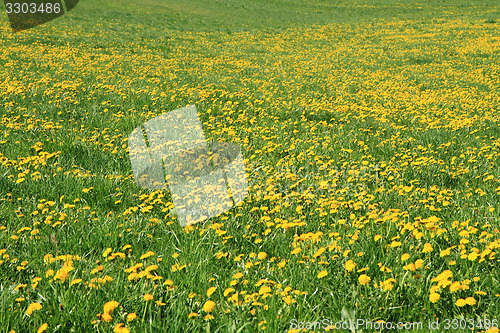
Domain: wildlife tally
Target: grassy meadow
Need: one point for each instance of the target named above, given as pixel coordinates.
(370, 132)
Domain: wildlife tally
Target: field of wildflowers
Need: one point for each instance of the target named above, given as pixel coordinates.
(370, 132)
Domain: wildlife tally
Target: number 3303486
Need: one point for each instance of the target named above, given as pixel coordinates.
(32, 8)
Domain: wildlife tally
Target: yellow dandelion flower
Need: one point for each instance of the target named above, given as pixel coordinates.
(322, 274)
(119, 328)
(20, 286)
(42, 328)
(350, 265)
(319, 252)
(427, 248)
(147, 255)
(434, 289)
(444, 283)
(262, 255)
(364, 279)
(177, 267)
(33, 307)
(410, 267)
(106, 317)
(445, 253)
(75, 281)
(63, 273)
(210, 291)
(131, 316)
(228, 291)
(455, 286)
(405, 257)
(148, 297)
(443, 276)
(388, 284)
(193, 315)
(110, 306)
(208, 306)
(264, 290)
(470, 301)
(434, 297)
(460, 302)
(107, 252)
(472, 256)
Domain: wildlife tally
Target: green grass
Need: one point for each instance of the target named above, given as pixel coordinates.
(362, 124)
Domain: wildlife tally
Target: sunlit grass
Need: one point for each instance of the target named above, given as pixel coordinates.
(370, 137)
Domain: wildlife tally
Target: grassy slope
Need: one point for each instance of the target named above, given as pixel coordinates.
(287, 60)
